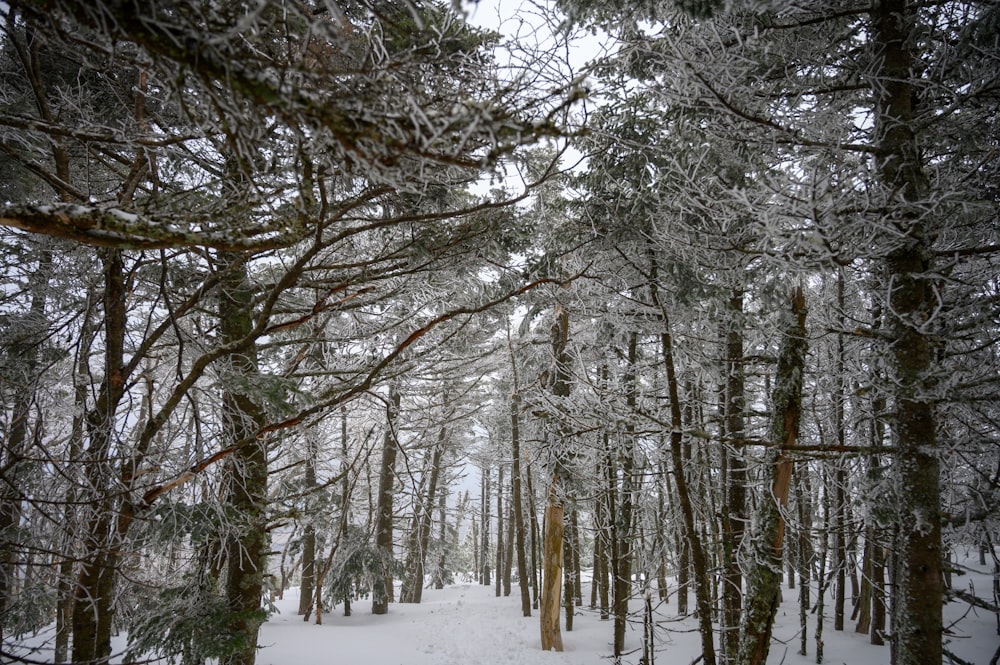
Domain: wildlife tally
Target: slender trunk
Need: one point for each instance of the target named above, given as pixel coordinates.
(764, 578)
(485, 522)
(804, 559)
(515, 491)
(92, 609)
(345, 518)
(878, 595)
(420, 533)
(535, 582)
(308, 581)
(840, 471)
(574, 541)
(821, 577)
(64, 607)
(702, 587)
(475, 550)
(382, 586)
(661, 537)
(734, 513)
(508, 552)
(441, 572)
(621, 548)
(499, 539)
(569, 593)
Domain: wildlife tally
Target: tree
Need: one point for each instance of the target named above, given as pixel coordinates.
(764, 579)
(289, 164)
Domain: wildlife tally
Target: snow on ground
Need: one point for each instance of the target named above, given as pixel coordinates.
(467, 624)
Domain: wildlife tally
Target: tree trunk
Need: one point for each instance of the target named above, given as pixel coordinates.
(913, 298)
(441, 572)
(575, 545)
(569, 593)
(702, 587)
(840, 522)
(92, 608)
(420, 533)
(308, 581)
(535, 537)
(805, 556)
(552, 570)
(734, 513)
(821, 576)
(621, 514)
(499, 539)
(515, 491)
(382, 586)
(484, 502)
(764, 578)
(246, 548)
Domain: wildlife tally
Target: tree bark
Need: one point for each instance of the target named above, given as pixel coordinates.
(485, 574)
(515, 491)
(308, 581)
(500, 534)
(621, 514)
(92, 608)
(552, 569)
(246, 548)
(569, 593)
(420, 532)
(764, 578)
(702, 587)
(382, 587)
(912, 297)
(734, 513)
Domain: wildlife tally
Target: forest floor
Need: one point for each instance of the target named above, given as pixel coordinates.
(466, 624)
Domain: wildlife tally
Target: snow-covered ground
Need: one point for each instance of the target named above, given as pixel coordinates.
(467, 624)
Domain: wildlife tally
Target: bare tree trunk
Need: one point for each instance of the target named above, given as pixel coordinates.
(420, 533)
(805, 556)
(92, 609)
(764, 579)
(840, 523)
(535, 537)
(878, 595)
(308, 581)
(575, 545)
(734, 513)
(515, 491)
(552, 570)
(569, 593)
(65, 603)
(499, 539)
(441, 572)
(621, 514)
(382, 587)
(702, 587)
(821, 577)
(485, 574)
